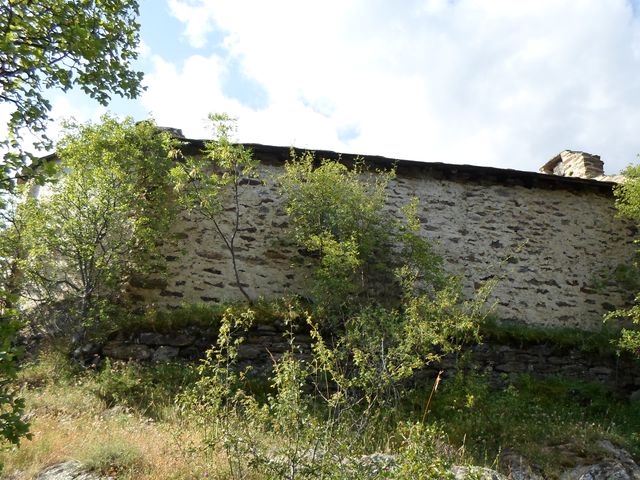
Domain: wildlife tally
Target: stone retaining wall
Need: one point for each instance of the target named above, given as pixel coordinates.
(264, 343)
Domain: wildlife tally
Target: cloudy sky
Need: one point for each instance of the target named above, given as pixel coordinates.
(487, 82)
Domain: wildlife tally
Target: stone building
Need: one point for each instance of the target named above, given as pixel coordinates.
(552, 238)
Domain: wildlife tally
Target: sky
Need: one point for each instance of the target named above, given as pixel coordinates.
(498, 83)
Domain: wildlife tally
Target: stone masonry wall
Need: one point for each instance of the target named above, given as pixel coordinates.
(555, 243)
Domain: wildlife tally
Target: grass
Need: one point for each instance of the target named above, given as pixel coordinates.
(70, 419)
(199, 315)
(552, 422)
(602, 343)
(123, 421)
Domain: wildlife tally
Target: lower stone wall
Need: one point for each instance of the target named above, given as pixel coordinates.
(264, 343)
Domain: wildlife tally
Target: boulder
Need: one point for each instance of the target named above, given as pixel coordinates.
(70, 470)
(605, 470)
(618, 465)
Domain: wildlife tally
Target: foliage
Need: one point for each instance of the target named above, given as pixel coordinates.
(148, 389)
(363, 253)
(328, 412)
(47, 44)
(12, 426)
(533, 415)
(216, 402)
(562, 340)
(552, 422)
(99, 223)
(205, 183)
(628, 205)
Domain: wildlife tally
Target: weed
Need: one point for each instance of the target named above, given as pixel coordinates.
(533, 415)
(113, 456)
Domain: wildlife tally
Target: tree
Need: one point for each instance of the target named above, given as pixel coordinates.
(47, 44)
(99, 223)
(205, 184)
(339, 216)
(628, 204)
(377, 285)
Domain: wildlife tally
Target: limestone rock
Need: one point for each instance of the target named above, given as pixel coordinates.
(70, 470)
(606, 470)
(619, 465)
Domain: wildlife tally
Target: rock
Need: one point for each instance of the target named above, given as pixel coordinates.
(606, 470)
(70, 470)
(618, 466)
(87, 350)
(250, 352)
(126, 351)
(476, 473)
(622, 456)
(635, 396)
(516, 466)
(190, 353)
(164, 353)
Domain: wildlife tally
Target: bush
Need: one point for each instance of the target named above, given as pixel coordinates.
(97, 225)
(361, 253)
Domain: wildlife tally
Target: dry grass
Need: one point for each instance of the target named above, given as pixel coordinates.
(68, 421)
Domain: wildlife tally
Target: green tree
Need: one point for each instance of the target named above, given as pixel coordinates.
(359, 248)
(53, 44)
(61, 44)
(628, 204)
(101, 221)
(12, 426)
(212, 185)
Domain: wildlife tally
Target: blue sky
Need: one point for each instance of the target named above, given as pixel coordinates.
(502, 83)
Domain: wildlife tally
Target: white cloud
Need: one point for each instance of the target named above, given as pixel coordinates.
(499, 83)
(197, 19)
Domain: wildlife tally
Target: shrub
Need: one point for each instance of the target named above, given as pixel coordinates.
(98, 223)
(362, 254)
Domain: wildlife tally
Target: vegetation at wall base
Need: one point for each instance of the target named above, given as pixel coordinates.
(101, 418)
(604, 343)
(379, 309)
(52, 44)
(551, 421)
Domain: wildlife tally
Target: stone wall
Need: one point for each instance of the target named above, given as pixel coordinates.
(501, 363)
(554, 242)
